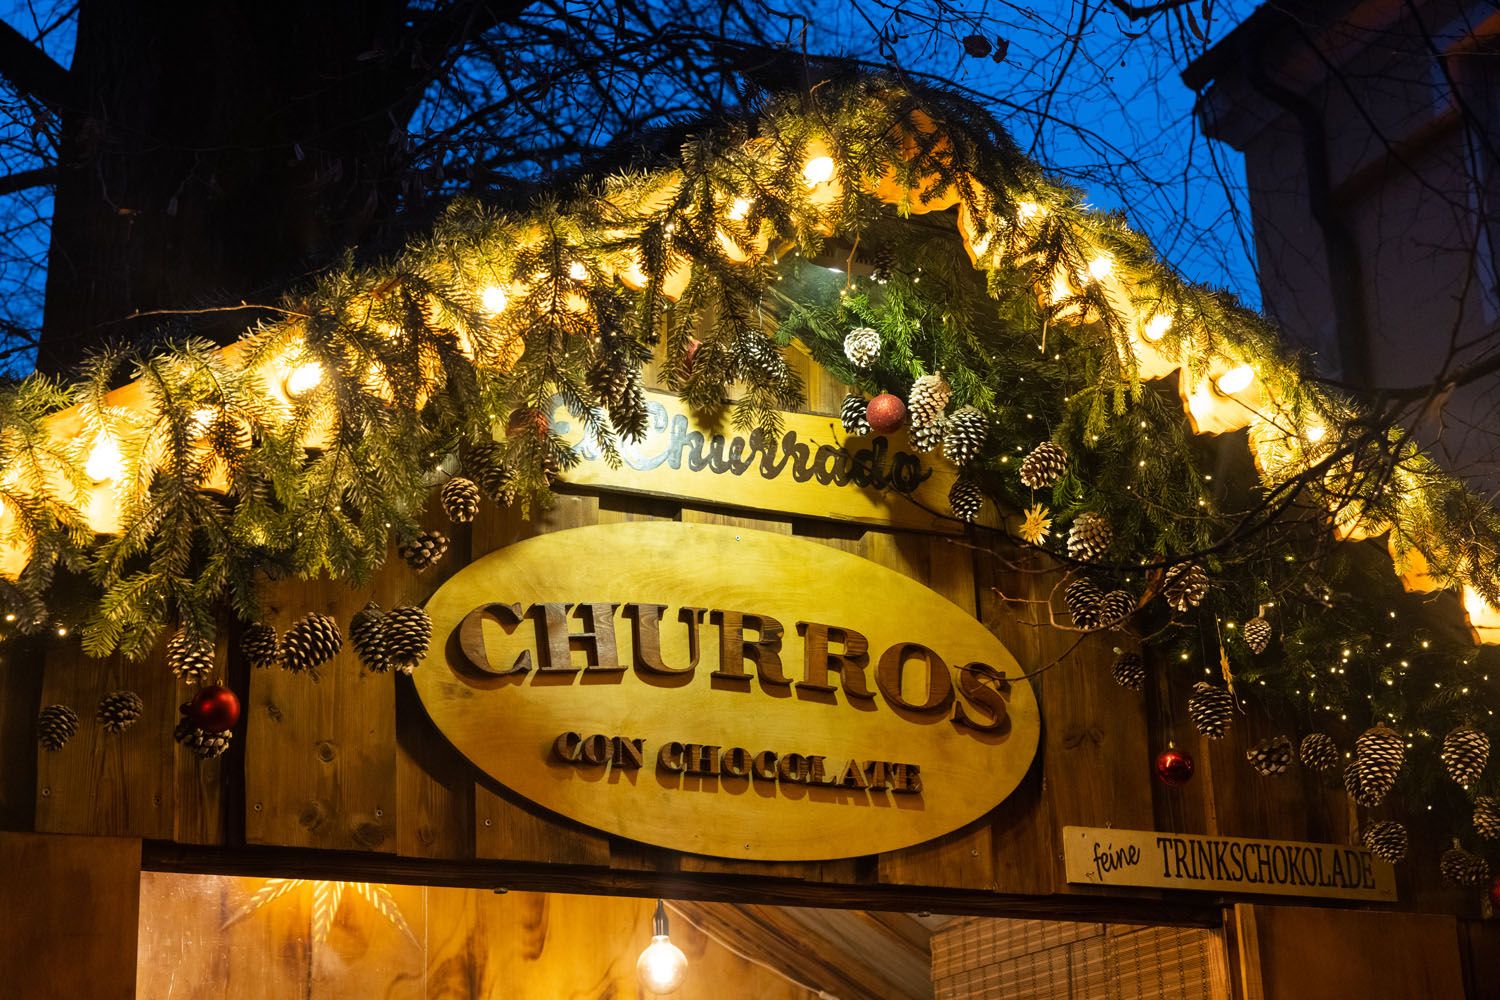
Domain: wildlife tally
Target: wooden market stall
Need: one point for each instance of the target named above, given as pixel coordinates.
(769, 671)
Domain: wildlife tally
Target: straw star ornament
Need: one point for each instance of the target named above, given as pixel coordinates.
(327, 897)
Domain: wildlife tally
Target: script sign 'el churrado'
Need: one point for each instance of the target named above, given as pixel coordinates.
(726, 692)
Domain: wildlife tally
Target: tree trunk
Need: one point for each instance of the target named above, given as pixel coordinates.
(216, 152)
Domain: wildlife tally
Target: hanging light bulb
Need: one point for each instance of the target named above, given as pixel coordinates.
(662, 965)
(818, 170)
(577, 271)
(1101, 267)
(303, 379)
(1316, 433)
(493, 300)
(1027, 210)
(105, 461)
(1235, 380)
(1157, 327)
(739, 209)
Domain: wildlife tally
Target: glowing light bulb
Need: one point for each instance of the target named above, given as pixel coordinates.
(303, 379)
(662, 965)
(739, 209)
(105, 461)
(1235, 380)
(493, 300)
(577, 271)
(1316, 433)
(1101, 267)
(818, 170)
(1027, 210)
(1157, 327)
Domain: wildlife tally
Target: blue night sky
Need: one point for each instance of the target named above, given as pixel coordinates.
(1108, 114)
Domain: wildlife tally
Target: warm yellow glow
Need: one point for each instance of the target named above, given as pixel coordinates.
(1235, 380)
(1027, 210)
(1101, 267)
(105, 462)
(1200, 404)
(493, 300)
(1484, 618)
(1315, 433)
(303, 379)
(577, 271)
(662, 966)
(818, 170)
(1157, 327)
(739, 209)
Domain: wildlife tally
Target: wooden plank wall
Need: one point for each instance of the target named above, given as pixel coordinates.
(69, 905)
(464, 943)
(349, 761)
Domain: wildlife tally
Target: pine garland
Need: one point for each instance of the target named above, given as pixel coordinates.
(223, 475)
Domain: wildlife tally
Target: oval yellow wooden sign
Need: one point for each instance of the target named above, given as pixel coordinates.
(726, 692)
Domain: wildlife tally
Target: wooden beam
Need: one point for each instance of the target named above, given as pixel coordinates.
(904, 930)
(354, 866)
(768, 936)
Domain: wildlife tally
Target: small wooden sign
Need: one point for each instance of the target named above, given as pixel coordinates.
(1108, 857)
(727, 692)
(811, 468)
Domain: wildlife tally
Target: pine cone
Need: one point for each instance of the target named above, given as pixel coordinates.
(1356, 790)
(1257, 634)
(1129, 671)
(609, 376)
(312, 640)
(408, 635)
(1044, 466)
(206, 745)
(862, 347)
(1271, 757)
(1115, 608)
(1082, 599)
(928, 398)
(964, 435)
(966, 499)
(629, 414)
(258, 646)
(852, 416)
(55, 726)
(367, 636)
(191, 659)
(1318, 751)
(1211, 709)
(1386, 840)
(1465, 753)
(884, 268)
(1460, 867)
(1185, 586)
(1379, 753)
(928, 437)
(1090, 537)
(424, 550)
(487, 468)
(118, 711)
(460, 498)
(1487, 817)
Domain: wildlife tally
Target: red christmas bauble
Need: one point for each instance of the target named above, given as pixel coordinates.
(1174, 767)
(885, 413)
(213, 709)
(526, 420)
(691, 353)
